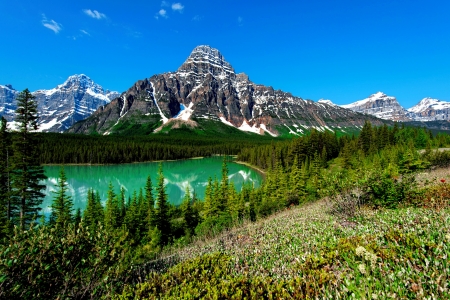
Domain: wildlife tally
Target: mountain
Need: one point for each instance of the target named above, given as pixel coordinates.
(429, 109)
(7, 96)
(59, 108)
(381, 106)
(206, 87)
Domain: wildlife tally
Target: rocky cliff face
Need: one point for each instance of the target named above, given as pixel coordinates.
(429, 109)
(381, 106)
(7, 101)
(207, 87)
(59, 108)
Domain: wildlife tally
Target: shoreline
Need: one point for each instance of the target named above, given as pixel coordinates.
(263, 173)
(127, 163)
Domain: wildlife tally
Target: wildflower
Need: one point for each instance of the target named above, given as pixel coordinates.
(425, 219)
(447, 236)
(374, 296)
(360, 250)
(362, 268)
(443, 180)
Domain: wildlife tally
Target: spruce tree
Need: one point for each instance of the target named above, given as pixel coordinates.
(223, 197)
(149, 200)
(26, 171)
(93, 214)
(208, 206)
(112, 211)
(5, 186)
(62, 204)
(190, 215)
(162, 234)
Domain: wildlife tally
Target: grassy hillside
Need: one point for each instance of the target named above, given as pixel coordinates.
(307, 251)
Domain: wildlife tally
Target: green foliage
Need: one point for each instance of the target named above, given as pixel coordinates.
(93, 214)
(62, 205)
(5, 181)
(50, 262)
(26, 173)
(162, 232)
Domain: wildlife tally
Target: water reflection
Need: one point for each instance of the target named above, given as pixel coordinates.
(132, 177)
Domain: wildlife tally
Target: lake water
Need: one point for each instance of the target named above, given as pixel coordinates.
(178, 175)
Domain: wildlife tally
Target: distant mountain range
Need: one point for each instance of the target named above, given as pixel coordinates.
(206, 87)
(59, 108)
(386, 107)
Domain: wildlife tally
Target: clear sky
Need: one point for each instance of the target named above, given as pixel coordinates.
(338, 50)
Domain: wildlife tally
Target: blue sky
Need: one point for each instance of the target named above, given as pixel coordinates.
(338, 50)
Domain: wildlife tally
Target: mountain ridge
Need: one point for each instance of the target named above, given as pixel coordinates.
(59, 108)
(208, 85)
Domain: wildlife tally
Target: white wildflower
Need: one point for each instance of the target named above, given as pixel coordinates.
(362, 268)
(360, 250)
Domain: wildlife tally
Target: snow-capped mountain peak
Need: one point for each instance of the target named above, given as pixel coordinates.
(77, 98)
(380, 105)
(429, 109)
(203, 60)
(326, 101)
(428, 102)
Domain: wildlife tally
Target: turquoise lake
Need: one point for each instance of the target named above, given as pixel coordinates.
(178, 175)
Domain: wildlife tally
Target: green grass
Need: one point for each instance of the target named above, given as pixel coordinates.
(306, 252)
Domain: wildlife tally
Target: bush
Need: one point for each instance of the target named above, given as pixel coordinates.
(214, 225)
(53, 262)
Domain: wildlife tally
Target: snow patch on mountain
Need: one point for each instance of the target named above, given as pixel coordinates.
(380, 105)
(325, 101)
(429, 103)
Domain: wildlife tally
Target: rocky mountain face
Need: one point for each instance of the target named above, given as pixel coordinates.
(7, 104)
(381, 106)
(59, 108)
(206, 87)
(429, 109)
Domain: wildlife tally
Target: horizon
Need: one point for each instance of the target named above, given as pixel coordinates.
(343, 52)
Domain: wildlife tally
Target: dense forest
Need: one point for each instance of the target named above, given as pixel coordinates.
(106, 249)
(177, 144)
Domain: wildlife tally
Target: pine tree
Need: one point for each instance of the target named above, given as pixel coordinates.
(233, 205)
(26, 172)
(93, 214)
(62, 204)
(77, 217)
(112, 211)
(208, 206)
(190, 215)
(122, 207)
(366, 137)
(223, 194)
(5, 186)
(161, 219)
(150, 201)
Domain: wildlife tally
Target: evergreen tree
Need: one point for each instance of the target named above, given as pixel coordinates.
(162, 233)
(233, 205)
(208, 206)
(223, 194)
(366, 137)
(26, 171)
(93, 214)
(62, 204)
(122, 207)
(190, 215)
(77, 218)
(112, 211)
(149, 200)
(5, 186)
